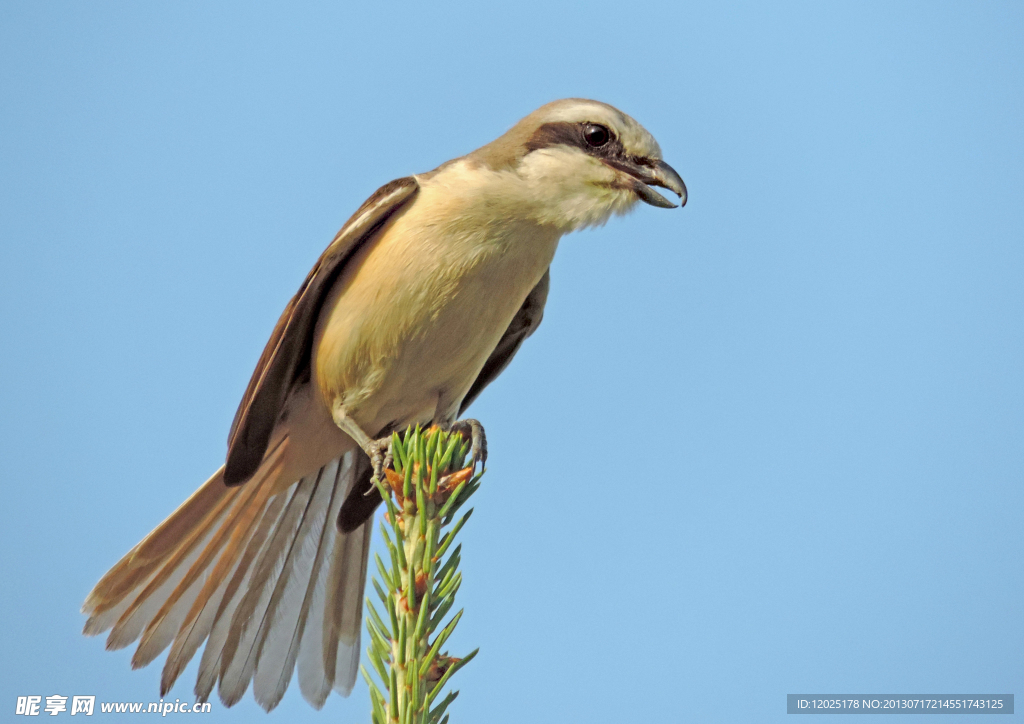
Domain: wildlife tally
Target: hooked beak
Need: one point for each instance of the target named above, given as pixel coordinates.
(646, 173)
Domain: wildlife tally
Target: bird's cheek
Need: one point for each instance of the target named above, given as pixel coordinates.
(594, 206)
(620, 193)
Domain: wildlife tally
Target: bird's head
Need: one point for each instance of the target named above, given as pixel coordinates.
(580, 161)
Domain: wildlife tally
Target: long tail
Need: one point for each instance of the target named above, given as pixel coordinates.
(261, 573)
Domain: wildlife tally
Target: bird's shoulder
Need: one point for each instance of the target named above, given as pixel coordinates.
(286, 356)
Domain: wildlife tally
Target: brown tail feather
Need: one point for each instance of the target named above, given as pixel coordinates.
(344, 607)
(310, 658)
(183, 565)
(260, 572)
(217, 592)
(209, 664)
(132, 572)
(171, 616)
(239, 654)
(289, 608)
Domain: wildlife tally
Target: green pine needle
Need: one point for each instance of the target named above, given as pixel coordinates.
(406, 655)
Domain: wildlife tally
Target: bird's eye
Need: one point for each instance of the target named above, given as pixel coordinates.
(595, 135)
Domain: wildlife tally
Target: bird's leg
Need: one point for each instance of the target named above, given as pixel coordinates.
(380, 457)
(379, 451)
(477, 437)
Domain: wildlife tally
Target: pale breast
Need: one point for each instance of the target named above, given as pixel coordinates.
(414, 316)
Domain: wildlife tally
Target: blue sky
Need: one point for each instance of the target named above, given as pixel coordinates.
(771, 443)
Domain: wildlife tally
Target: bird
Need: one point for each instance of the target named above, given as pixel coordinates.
(419, 302)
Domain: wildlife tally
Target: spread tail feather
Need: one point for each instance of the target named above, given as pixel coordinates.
(261, 573)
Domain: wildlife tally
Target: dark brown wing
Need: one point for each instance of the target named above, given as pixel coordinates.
(286, 357)
(524, 324)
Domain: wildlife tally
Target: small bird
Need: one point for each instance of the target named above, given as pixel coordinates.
(419, 302)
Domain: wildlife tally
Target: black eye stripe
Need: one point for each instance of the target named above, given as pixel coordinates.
(574, 134)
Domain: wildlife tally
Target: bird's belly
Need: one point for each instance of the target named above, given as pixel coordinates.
(408, 326)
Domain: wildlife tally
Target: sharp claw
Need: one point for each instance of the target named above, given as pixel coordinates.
(477, 437)
(380, 457)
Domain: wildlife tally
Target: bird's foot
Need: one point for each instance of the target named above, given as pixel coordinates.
(380, 456)
(379, 451)
(475, 431)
